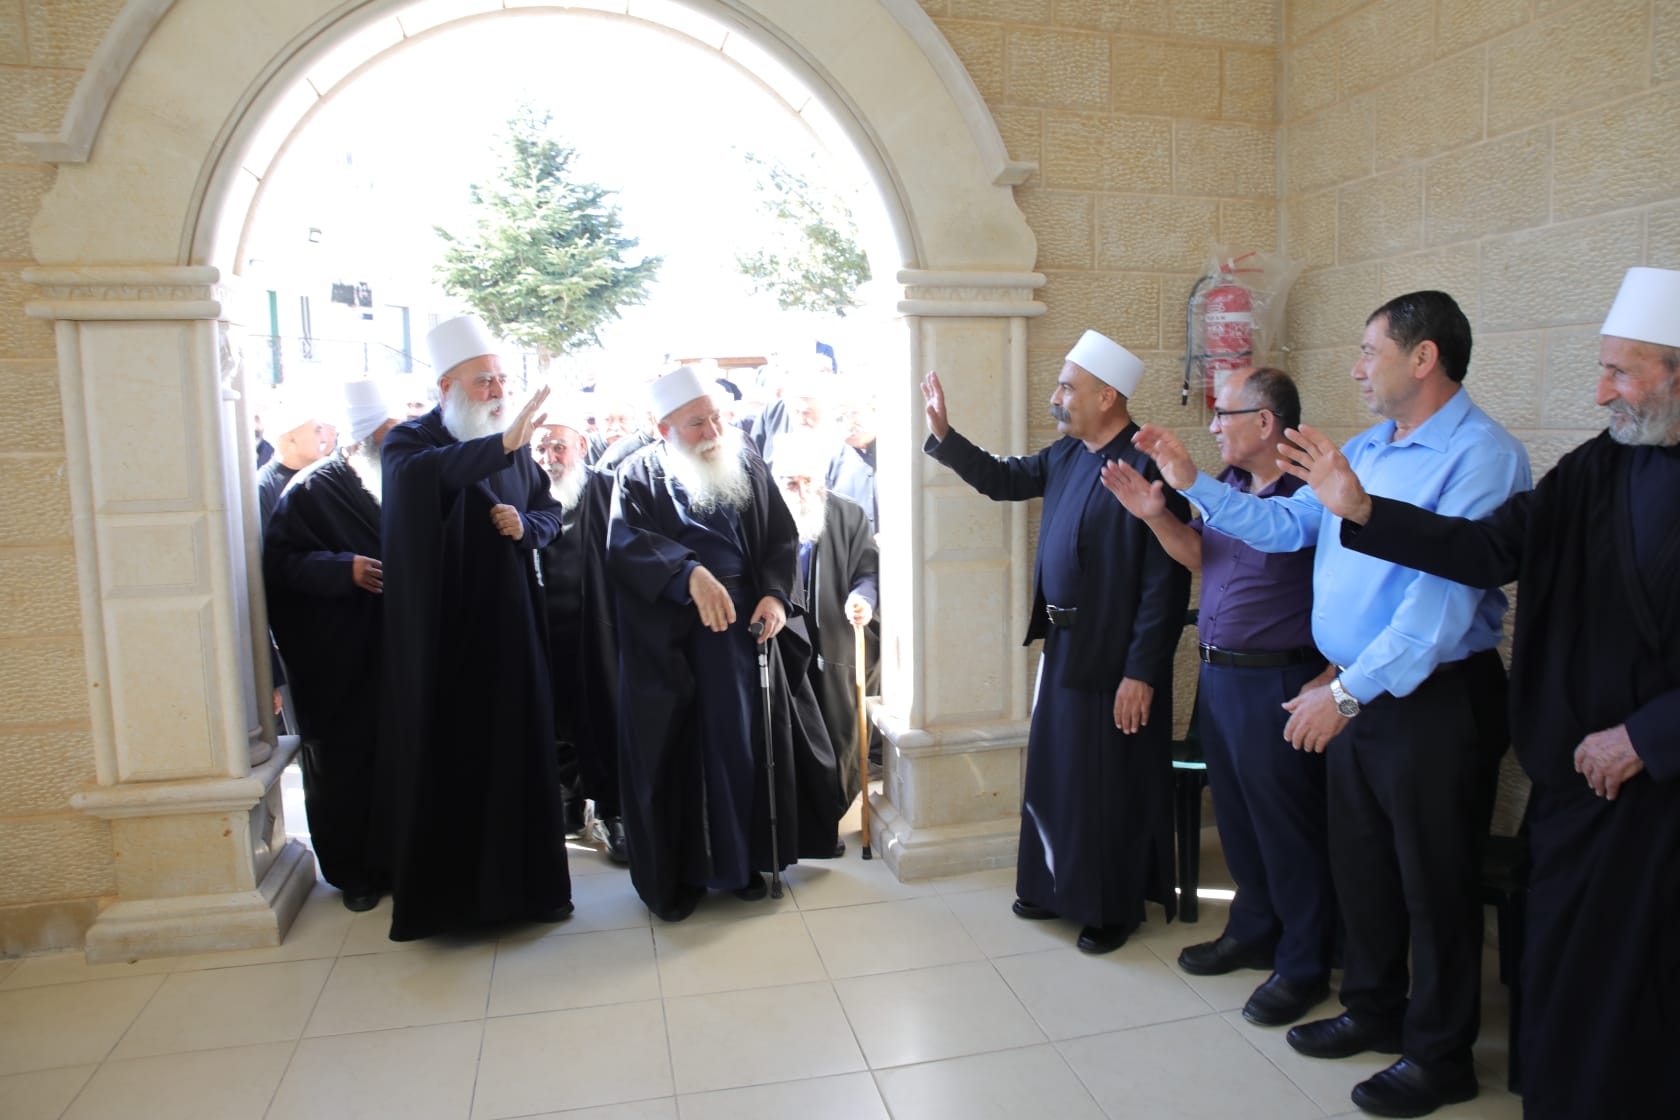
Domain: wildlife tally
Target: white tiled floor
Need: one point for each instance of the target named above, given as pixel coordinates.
(855, 997)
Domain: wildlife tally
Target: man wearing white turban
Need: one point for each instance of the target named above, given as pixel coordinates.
(1595, 711)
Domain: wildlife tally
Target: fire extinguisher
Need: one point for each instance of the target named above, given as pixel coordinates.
(1219, 329)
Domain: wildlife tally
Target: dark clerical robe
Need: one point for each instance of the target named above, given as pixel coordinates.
(1596, 646)
(582, 646)
(474, 831)
(691, 724)
(843, 560)
(1096, 823)
(329, 632)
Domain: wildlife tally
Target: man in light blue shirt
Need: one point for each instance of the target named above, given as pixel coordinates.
(1413, 723)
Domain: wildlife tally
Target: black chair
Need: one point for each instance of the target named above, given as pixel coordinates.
(1505, 888)
(1189, 780)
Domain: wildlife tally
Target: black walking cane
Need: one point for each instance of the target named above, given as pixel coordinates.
(755, 630)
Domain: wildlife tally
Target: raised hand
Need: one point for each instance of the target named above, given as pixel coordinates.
(1143, 499)
(525, 423)
(1316, 461)
(1169, 454)
(937, 424)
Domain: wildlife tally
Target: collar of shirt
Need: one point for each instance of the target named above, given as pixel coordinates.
(1434, 433)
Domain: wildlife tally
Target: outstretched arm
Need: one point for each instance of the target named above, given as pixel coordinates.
(1147, 502)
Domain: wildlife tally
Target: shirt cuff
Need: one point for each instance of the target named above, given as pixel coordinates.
(1205, 492)
(1360, 686)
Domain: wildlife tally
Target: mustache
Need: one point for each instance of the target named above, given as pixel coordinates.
(1059, 414)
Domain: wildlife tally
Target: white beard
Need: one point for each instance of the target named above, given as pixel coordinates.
(810, 513)
(721, 481)
(365, 461)
(468, 419)
(567, 486)
(1657, 424)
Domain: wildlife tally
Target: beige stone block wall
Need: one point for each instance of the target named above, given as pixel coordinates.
(55, 863)
(1526, 149)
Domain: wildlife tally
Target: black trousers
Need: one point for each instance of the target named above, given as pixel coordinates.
(1410, 782)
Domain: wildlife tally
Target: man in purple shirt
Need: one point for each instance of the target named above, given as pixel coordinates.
(1257, 651)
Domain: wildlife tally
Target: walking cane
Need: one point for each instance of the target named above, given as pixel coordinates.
(863, 730)
(755, 630)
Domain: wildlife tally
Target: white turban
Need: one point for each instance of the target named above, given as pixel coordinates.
(1647, 309)
(676, 389)
(1107, 361)
(457, 340)
(364, 408)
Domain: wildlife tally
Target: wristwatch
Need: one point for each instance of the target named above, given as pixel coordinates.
(1345, 703)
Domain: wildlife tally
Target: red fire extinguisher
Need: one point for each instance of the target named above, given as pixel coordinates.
(1220, 329)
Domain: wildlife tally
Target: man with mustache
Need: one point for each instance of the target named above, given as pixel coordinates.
(1595, 707)
(1096, 825)
(1412, 724)
(582, 645)
(473, 830)
(324, 581)
(701, 546)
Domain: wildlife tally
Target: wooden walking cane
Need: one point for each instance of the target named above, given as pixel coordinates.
(863, 731)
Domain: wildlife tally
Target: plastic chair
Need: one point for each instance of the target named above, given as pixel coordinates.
(1189, 780)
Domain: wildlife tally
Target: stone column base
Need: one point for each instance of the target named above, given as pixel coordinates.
(949, 849)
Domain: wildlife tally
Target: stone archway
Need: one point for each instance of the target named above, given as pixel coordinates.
(161, 153)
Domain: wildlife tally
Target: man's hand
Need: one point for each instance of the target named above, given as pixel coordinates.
(525, 423)
(932, 392)
(711, 599)
(774, 616)
(1607, 760)
(1169, 454)
(1313, 719)
(1315, 461)
(1131, 705)
(1143, 499)
(367, 574)
(507, 521)
(858, 610)
(1329, 673)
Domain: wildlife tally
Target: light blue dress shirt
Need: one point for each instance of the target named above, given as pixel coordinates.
(1389, 626)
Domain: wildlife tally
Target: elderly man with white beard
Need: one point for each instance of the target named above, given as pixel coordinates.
(473, 832)
(322, 573)
(701, 546)
(839, 568)
(582, 646)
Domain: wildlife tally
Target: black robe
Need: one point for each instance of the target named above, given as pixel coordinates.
(1595, 646)
(583, 643)
(664, 795)
(474, 831)
(1096, 822)
(329, 632)
(845, 556)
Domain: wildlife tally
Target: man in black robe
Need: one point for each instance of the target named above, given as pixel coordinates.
(1595, 712)
(701, 545)
(839, 569)
(582, 646)
(473, 833)
(1096, 827)
(323, 577)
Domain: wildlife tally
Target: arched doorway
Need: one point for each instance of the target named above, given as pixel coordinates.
(160, 157)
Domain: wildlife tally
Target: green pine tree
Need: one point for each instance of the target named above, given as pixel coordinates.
(813, 262)
(546, 263)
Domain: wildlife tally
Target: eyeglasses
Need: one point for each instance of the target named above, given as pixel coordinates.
(1220, 414)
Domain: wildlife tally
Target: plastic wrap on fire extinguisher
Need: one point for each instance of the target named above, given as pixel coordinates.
(1235, 317)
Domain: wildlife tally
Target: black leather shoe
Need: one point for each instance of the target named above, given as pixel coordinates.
(357, 900)
(1407, 1088)
(555, 914)
(1025, 909)
(1280, 1000)
(754, 889)
(1227, 954)
(1343, 1037)
(618, 844)
(839, 848)
(1102, 939)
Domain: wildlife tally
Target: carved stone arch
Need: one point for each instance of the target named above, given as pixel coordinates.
(164, 146)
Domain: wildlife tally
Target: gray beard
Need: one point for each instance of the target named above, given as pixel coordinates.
(567, 487)
(810, 515)
(1655, 425)
(721, 483)
(467, 419)
(366, 462)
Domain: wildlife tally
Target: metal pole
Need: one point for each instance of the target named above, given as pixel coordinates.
(757, 629)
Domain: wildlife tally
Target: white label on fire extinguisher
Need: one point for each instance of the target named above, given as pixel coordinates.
(1230, 316)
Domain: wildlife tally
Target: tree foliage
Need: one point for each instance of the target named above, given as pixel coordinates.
(545, 265)
(812, 261)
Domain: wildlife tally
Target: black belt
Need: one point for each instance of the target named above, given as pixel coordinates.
(1302, 655)
(1062, 616)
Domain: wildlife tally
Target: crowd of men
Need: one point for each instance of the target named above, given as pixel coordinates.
(490, 617)
(663, 621)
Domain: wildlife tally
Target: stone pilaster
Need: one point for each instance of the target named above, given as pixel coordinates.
(957, 700)
(187, 762)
